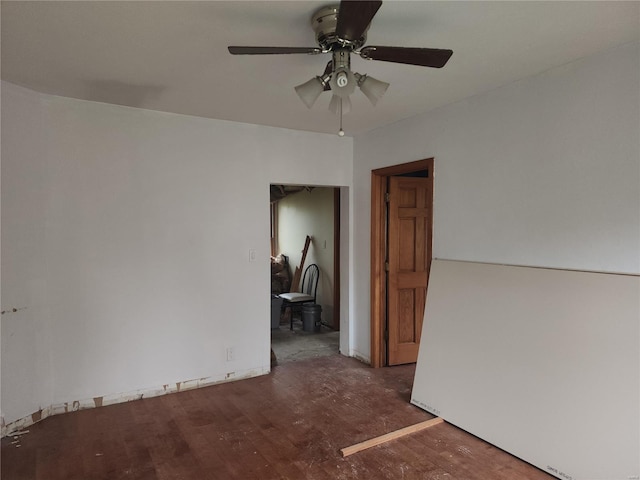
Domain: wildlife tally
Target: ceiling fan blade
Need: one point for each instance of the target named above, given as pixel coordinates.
(424, 57)
(273, 50)
(354, 18)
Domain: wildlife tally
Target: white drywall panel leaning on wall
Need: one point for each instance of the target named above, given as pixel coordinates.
(542, 363)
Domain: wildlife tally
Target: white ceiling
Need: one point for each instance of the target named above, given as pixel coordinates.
(172, 56)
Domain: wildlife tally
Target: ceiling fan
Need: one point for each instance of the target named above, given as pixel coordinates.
(342, 30)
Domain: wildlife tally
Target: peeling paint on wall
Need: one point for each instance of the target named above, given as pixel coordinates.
(36, 416)
(22, 423)
(95, 402)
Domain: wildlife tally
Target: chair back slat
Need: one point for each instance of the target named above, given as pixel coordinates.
(310, 280)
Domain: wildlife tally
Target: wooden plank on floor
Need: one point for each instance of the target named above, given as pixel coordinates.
(390, 436)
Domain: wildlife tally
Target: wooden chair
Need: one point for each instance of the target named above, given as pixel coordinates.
(295, 300)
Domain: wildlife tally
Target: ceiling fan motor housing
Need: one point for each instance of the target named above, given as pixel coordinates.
(324, 23)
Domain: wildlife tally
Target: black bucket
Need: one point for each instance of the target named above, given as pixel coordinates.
(311, 317)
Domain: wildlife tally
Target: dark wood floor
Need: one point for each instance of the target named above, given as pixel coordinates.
(290, 424)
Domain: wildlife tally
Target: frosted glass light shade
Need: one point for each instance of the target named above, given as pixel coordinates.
(310, 91)
(372, 88)
(334, 105)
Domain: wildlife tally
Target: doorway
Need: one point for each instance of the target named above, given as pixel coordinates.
(305, 230)
(401, 238)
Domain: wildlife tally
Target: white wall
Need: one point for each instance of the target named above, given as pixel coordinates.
(126, 236)
(543, 172)
(26, 334)
(310, 213)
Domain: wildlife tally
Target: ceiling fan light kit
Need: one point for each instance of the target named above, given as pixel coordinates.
(311, 90)
(342, 30)
(373, 89)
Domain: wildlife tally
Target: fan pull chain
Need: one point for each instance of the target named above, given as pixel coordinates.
(341, 131)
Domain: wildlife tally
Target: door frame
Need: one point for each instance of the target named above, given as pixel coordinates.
(378, 252)
(337, 238)
(336, 258)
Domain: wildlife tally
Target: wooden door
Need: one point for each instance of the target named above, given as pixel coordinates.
(408, 258)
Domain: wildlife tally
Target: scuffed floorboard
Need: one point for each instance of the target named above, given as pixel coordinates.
(290, 424)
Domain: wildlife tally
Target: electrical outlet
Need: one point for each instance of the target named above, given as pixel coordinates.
(252, 255)
(230, 354)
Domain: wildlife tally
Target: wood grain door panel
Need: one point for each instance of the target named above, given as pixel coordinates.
(409, 257)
